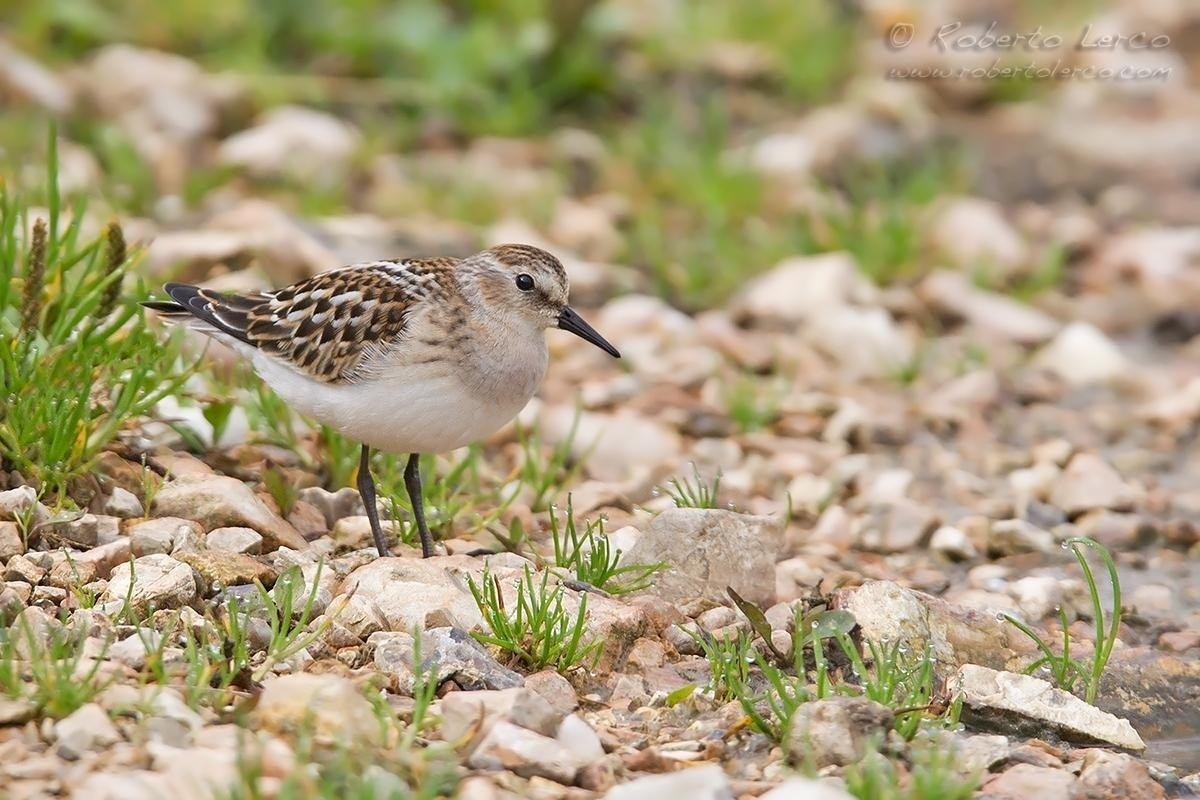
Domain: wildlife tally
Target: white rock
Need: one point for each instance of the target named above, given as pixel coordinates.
(85, 729)
(1001, 316)
(1090, 482)
(866, 342)
(217, 501)
(123, 503)
(707, 550)
(28, 79)
(580, 738)
(15, 505)
(404, 593)
(992, 695)
(706, 782)
(236, 540)
(294, 142)
(953, 543)
(463, 712)
(330, 707)
(153, 582)
(798, 288)
(612, 447)
(1080, 354)
(528, 754)
(806, 789)
(974, 235)
(1037, 596)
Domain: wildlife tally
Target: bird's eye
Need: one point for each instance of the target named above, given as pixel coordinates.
(525, 282)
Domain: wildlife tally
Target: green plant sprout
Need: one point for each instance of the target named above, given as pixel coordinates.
(1067, 672)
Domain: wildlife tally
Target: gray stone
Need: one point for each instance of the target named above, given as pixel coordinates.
(405, 593)
(1088, 483)
(953, 293)
(1080, 354)
(217, 501)
(463, 712)
(1025, 781)
(455, 653)
(836, 731)
(806, 789)
(15, 504)
(953, 543)
(235, 540)
(11, 543)
(707, 550)
(293, 142)
(799, 288)
(1025, 705)
(1007, 537)
(580, 738)
(123, 503)
(153, 582)
(888, 612)
(707, 782)
(510, 747)
(29, 80)
(329, 707)
(557, 690)
(345, 502)
(86, 729)
(161, 534)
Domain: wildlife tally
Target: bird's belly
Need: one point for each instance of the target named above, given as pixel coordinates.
(422, 413)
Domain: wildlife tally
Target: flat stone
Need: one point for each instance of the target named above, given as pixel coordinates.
(1089, 482)
(328, 707)
(806, 789)
(799, 288)
(1025, 705)
(953, 294)
(1025, 781)
(85, 729)
(11, 543)
(225, 568)
(153, 582)
(836, 731)
(707, 782)
(217, 501)
(463, 712)
(455, 654)
(235, 540)
(1114, 776)
(519, 750)
(123, 503)
(1081, 354)
(706, 550)
(408, 593)
(954, 635)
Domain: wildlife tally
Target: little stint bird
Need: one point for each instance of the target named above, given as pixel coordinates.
(411, 356)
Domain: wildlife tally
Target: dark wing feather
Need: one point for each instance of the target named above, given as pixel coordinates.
(330, 326)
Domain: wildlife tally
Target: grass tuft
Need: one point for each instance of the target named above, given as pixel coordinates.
(1066, 672)
(590, 557)
(540, 631)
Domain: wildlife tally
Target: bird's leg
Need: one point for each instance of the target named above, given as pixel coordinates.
(366, 488)
(412, 482)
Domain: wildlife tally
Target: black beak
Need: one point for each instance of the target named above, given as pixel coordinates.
(568, 320)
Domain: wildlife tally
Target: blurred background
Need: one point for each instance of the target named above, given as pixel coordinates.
(692, 144)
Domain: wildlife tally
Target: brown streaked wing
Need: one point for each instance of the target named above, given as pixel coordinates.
(332, 325)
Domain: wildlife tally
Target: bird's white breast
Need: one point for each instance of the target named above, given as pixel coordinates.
(408, 407)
